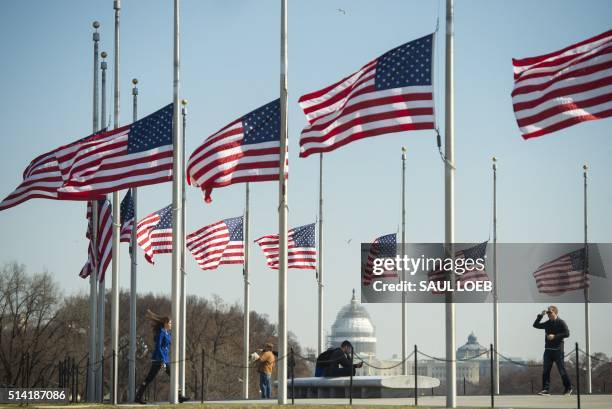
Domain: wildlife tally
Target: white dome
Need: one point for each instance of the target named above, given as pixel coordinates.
(353, 323)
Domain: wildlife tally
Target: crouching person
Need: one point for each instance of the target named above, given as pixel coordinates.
(339, 362)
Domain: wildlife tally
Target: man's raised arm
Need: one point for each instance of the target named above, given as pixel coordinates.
(537, 323)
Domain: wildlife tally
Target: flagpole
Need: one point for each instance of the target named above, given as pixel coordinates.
(101, 283)
(495, 284)
(116, 224)
(449, 207)
(93, 277)
(133, 272)
(282, 217)
(321, 340)
(177, 235)
(246, 309)
(404, 305)
(183, 328)
(587, 307)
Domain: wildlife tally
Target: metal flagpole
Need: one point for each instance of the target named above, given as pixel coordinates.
(177, 235)
(495, 284)
(404, 305)
(587, 307)
(183, 328)
(449, 207)
(93, 277)
(133, 272)
(282, 217)
(116, 225)
(321, 340)
(101, 283)
(246, 310)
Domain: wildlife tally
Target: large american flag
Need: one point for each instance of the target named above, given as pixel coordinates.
(565, 273)
(301, 251)
(218, 243)
(473, 274)
(563, 88)
(246, 150)
(127, 217)
(382, 247)
(392, 93)
(41, 179)
(154, 233)
(104, 238)
(134, 155)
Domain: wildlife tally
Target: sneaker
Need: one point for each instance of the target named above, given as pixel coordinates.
(544, 392)
(183, 398)
(568, 392)
(140, 400)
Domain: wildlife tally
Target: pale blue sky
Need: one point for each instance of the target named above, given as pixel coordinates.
(230, 65)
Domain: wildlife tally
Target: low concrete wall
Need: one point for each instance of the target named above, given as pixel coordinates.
(363, 386)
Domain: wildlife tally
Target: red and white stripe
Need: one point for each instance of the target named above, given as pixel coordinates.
(558, 276)
(104, 238)
(102, 164)
(563, 88)
(125, 235)
(41, 179)
(368, 270)
(353, 109)
(297, 257)
(153, 241)
(223, 160)
(211, 246)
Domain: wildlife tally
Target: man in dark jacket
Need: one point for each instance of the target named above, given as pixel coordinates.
(341, 362)
(555, 330)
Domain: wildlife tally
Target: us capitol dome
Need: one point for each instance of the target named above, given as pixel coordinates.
(353, 323)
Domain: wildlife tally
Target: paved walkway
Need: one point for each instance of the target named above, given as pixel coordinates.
(505, 402)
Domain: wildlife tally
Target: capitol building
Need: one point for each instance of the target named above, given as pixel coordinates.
(353, 323)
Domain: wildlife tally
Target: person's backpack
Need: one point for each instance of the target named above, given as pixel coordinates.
(324, 359)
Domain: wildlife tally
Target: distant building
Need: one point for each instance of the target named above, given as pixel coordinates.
(472, 349)
(353, 323)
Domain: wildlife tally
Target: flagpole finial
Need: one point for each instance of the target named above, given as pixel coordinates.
(585, 167)
(103, 54)
(135, 81)
(184, 102)
(96, 24)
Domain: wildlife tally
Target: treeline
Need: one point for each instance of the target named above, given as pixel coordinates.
(39, 327)
(526, 378)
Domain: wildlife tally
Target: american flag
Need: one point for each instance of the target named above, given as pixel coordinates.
(218, 243)
(134, 155)
(246, 150)
(127, 217)
(105, 244)
(301, 251)
(473, 274)
(563, 88)
(565, 273)
(381, 247)
(41, 179)
(392, 93)
(154, 233)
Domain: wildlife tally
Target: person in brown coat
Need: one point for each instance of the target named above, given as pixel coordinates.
(265, 365)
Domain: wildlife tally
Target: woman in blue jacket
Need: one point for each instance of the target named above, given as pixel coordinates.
(160, 358)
